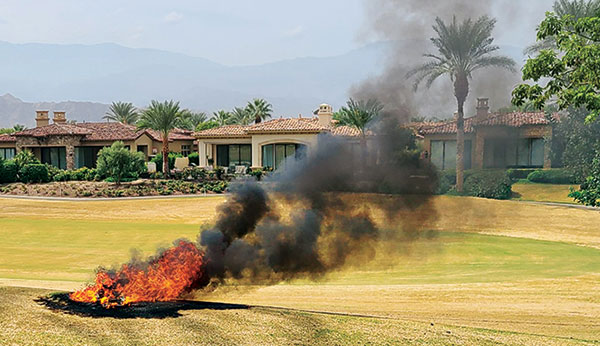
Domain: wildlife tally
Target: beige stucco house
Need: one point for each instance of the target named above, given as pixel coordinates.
(492, 140)
(269, 143)
(74, 145)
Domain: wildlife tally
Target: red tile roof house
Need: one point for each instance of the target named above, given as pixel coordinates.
(492, 140)
(71, 146)
(269, 143)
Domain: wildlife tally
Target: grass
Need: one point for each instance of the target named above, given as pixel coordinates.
(492, 272)
(528, 191)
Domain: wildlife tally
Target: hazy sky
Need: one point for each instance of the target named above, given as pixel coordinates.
(229, 32)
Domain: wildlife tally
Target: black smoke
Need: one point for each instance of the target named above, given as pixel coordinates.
(317, 215)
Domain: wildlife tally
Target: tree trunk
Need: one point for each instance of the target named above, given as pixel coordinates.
(165, 153)
(461, 90)
(363, 153)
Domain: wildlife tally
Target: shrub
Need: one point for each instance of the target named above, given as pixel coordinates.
(8, 171)
(488, 184)
(117, 162)
(34, 173)
(520, 173)
(25, 157)
(158, 159)
(589, 191)
(194, 158)
(552, 176)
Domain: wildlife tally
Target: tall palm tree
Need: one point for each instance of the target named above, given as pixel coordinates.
(191, 120)
(359, 115)
(241, 116)
(463, 48)
(163, 117)
(259, 109)
(122, 112)
(576, 8)
(222, 117)
(18, 128)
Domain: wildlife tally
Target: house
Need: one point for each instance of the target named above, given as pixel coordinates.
(492, 140)
(73, 145)
(269, 143)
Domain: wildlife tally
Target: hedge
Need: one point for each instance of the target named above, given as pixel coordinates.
(8, 171)
(194, 158)
(520, 173)
(488, 184)
(34, 173)
(552, 176)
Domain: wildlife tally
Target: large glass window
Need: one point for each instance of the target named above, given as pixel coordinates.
(56, 157)
(443, 154)
(7, 153)
(86, 156)
(234, 155)
(275, 155)
(523, 152)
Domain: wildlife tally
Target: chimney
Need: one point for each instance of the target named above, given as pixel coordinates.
(325, 115)
(41, 118)
(59, 118)
(483, 108)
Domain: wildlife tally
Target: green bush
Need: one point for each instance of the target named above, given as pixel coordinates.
(552, 176)
(158, 159)
(589, 191)
(25, 157)
(194, 158)
(118, 163)
(488, 184)
(8, 171)
(520, 173)
(34, 173)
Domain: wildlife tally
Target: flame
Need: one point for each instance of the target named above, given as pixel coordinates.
(164, 278)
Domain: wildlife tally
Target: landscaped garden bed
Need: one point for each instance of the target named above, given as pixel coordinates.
(141, 187)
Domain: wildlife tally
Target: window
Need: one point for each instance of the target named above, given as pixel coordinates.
(234, 155)
(7, 153)
(443, 154)
(523, 152)
(275, 155)
(185, 150)
(56, 157)
(86, 156)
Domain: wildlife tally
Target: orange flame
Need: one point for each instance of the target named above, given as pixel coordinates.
(164, 278)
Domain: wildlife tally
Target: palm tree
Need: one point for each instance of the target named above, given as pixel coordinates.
(18, 128)
(576, 8)
(191, 120)
(122, 112)
(241, 116)
(259, 109)
(463, 48)
(222, 117)
(163, 117)
(359, 115)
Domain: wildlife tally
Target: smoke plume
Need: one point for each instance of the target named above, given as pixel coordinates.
(407, 26)
(309, 219)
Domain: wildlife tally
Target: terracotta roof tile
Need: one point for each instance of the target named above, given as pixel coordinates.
(8, 138)
(54, 130)
(295, 125)
(224, 132)
(110, 131)
(345, 131)
(515, 119)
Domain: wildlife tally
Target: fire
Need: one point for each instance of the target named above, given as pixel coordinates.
(164, 278)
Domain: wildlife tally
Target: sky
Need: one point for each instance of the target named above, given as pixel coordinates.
(229, 32)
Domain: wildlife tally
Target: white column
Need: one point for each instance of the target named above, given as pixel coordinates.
(202, 154)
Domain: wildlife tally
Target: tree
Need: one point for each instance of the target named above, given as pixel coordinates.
(222, 117)
(359, 115)
(210, 124)
(163, 117)
(241, 116)
(259, 110)
(122, 112)
(16, 128)
(571, 76)
(463, 48)
(117, 162)
(191, 120)
(575, 8)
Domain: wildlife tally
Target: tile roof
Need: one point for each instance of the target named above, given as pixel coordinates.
(282, 125)
(8, 138)
(224, 131)
(515, 119)
(54, 130)
(104, 131)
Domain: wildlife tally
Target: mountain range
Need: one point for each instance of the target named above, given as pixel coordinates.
(93, 76)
